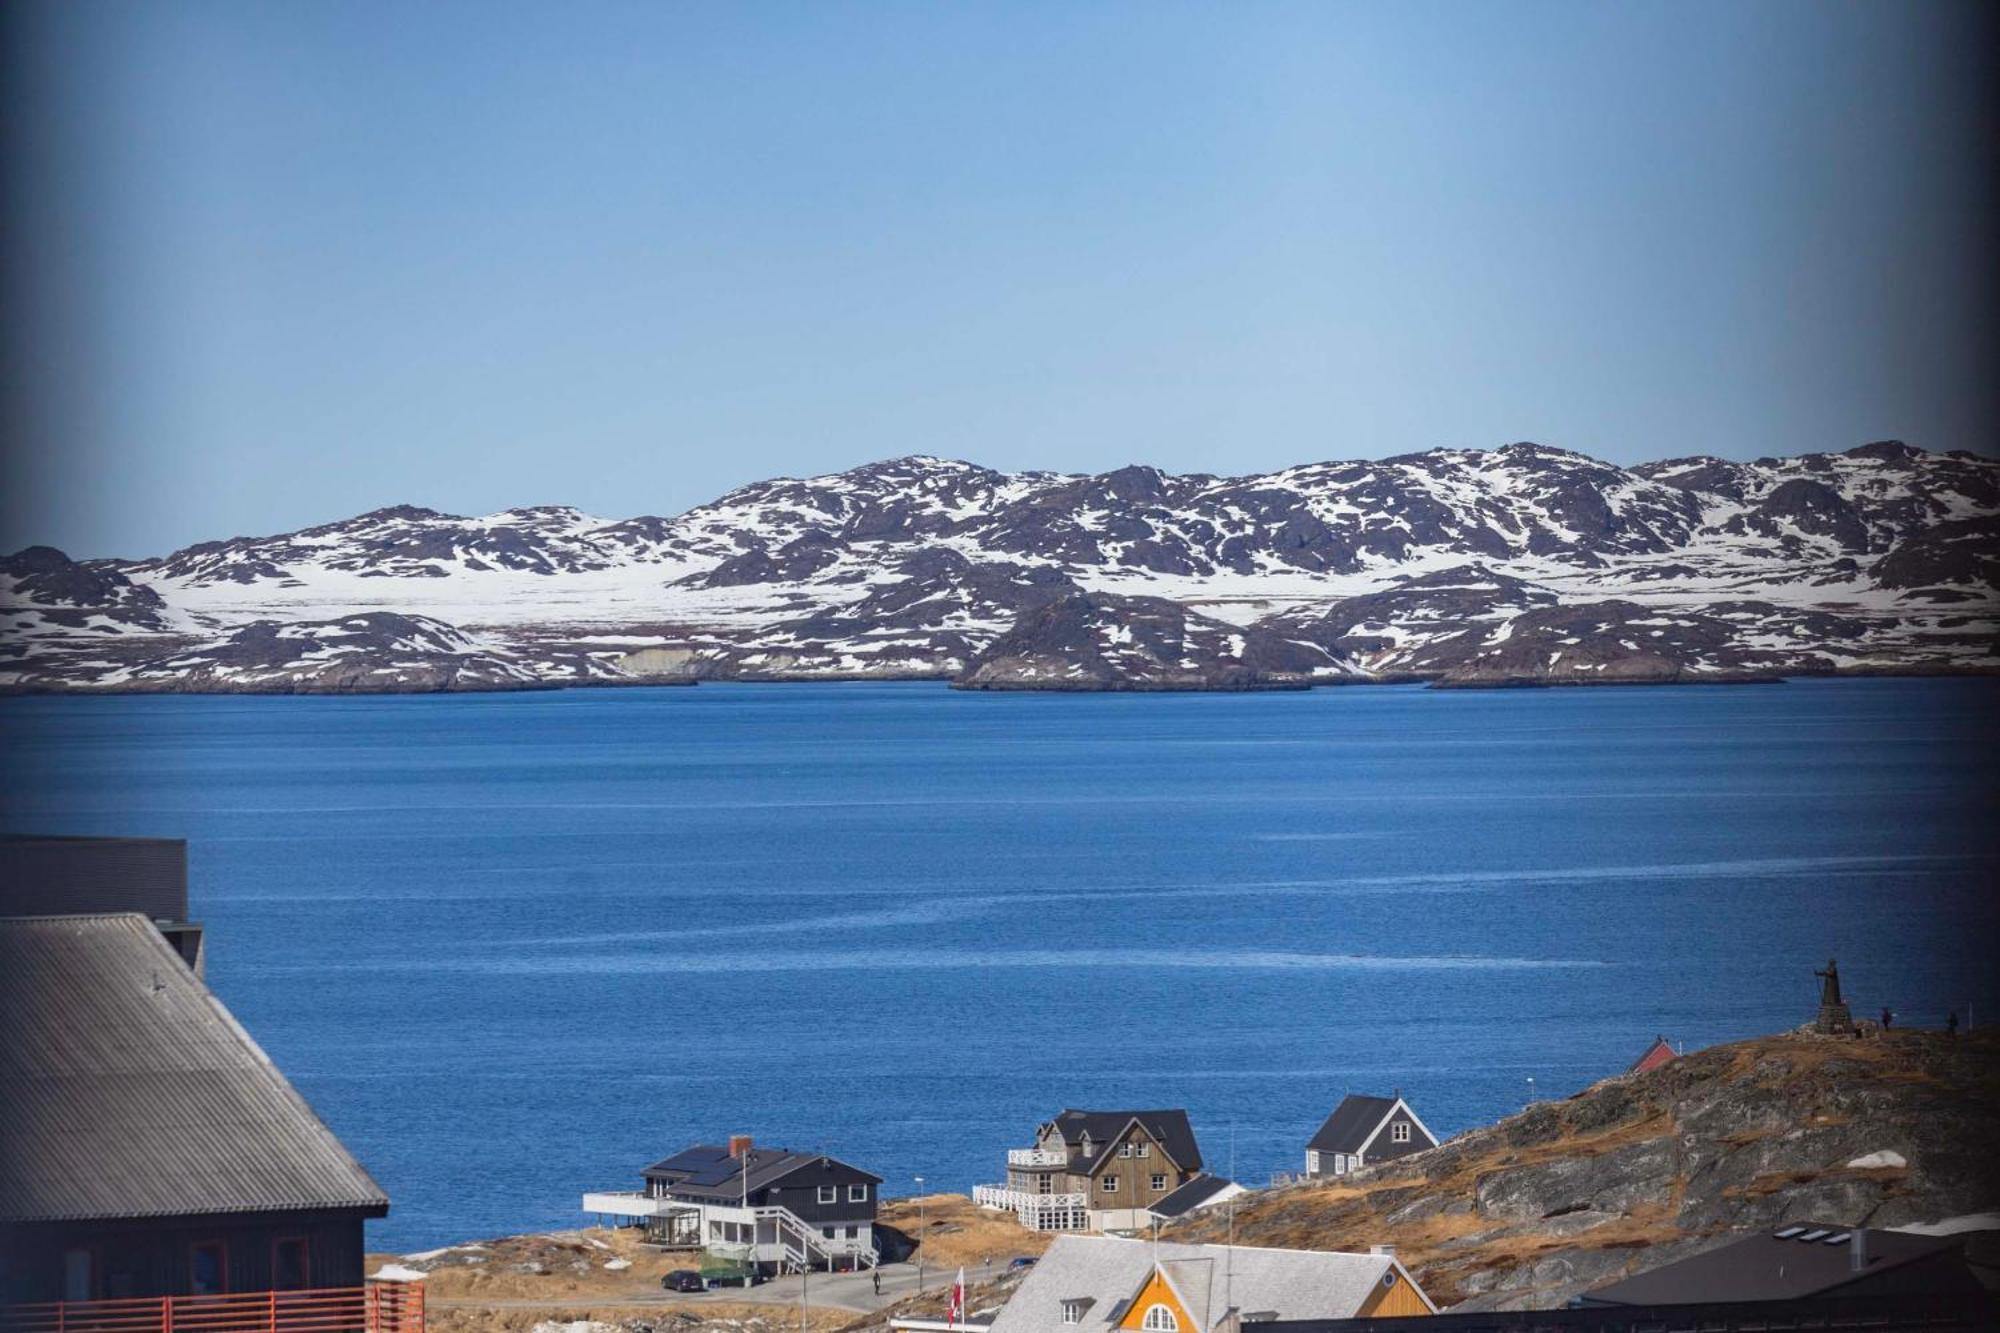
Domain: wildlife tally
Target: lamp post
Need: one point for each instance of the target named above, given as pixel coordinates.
(920, 1233)
(1531, 1090)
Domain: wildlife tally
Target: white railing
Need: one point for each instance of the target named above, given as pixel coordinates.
(625, 1203)
(1036, 1157)
(803, 1240)
(1037, 1212)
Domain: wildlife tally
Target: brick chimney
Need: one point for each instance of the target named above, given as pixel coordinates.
(739, 1144)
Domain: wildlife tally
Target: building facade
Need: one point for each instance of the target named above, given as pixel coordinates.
(1363, 1131)
(1097, 1170)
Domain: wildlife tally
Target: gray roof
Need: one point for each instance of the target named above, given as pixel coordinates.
(1170, 1128)
(707, 1169)
(127, 1090)
(1351, 1123)
(1189, 1197)
(1110, 1272)
(1799, 1260)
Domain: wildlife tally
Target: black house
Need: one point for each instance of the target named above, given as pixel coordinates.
(1363, 1130)
(148, 1147)
(1805, 1262)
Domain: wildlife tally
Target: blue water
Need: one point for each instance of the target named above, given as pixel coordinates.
(516, 946)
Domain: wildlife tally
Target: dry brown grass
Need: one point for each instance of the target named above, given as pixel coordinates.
(957, 1231)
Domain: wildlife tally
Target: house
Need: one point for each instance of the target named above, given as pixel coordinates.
(41, 874)
(1363, 1131)
(1096, 1170)
(1659, 1053)
(1803, 1261)
(152, 1149)
(1204, 1191)
(1096, 1284)
(771, 1210)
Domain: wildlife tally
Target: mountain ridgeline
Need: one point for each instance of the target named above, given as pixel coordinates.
(1524, 565)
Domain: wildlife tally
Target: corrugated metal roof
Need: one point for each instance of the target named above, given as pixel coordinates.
(1210, 1279)
(1804, 1260)
(128, 1090)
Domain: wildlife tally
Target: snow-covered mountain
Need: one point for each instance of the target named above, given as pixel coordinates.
(1520, 564)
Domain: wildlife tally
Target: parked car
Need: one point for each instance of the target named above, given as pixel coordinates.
(684, 1279)
(1020, 1261)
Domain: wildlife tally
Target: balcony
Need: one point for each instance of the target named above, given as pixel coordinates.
(379, 1307)
(1037, 1212)
(1042, 1158)
(626, 1203)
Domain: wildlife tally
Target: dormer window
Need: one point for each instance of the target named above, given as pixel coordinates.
(1160, 1319)
(1072, 1312)
(1143, 1150)
(1399, 1132)
(1124, 1150)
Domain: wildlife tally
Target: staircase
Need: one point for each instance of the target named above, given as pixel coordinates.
(804, 1247)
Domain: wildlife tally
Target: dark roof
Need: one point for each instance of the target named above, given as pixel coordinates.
(1189, 1196)
(1795, 1261)
(127, 1090)
(43, 875)
(1169, 1128)
(1351, 1123)
(708, 1170)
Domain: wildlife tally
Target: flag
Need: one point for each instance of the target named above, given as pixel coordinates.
(955, 1314)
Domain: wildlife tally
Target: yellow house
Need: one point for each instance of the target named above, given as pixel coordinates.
(1089, 1284)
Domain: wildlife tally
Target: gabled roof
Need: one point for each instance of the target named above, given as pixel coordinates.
(1793, 1262)
(708, 1170)
(1208, 1279)
(1190, 1196)
(1170, 1129)
(1353, 1123)
(127, 1090)
(1657, 1054)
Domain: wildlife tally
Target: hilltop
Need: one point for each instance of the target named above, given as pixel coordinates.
(1638, 1170)
(1523, 565)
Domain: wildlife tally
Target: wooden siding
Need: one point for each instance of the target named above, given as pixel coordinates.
(1158, 1291)
(1133, 1174)
(134, 1257)
(1396, 1300)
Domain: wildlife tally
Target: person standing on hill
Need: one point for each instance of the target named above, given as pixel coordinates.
(1888, 1018)
(1951, 1024)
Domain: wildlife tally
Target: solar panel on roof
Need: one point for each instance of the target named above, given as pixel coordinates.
(1788, 1233)
(1838, 1238)
(1815, 1234)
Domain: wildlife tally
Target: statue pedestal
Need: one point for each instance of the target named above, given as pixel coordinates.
(1834, 1019)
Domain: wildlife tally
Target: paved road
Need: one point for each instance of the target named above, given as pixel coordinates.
(838, 1291)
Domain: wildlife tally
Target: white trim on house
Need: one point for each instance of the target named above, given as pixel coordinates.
(1387, 1116)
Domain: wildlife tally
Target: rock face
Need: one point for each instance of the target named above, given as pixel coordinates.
(1644, 1169)
(1519, 565)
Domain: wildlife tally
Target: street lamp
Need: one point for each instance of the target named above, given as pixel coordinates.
(920, 1233)
(1531, 1089)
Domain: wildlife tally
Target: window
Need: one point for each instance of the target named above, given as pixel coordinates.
(289, 1269)
(1124, 1150)
(827, 1232)
(1143, 1150)
(1072, 1312)
(829, 1194)
(1159, 1182)
(1312, 1163)
(1110, 1184)
(1399, 1132)
(1340, 1164)
(852, 1232)
(857, 1194)
(78, 1266)
(1159, 1319)
(208, 1268)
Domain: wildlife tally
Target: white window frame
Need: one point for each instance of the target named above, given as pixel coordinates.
(1159, 1180)
(1124, 1150)
(1143, 1150)
(1109, 1184)
(1160, 1319)
(1399, 1132)
(857, 1194)
(829, 1194)
(1072, 1312)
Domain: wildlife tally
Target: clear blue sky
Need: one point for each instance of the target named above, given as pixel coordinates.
(292, 261)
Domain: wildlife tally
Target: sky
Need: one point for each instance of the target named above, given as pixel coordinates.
(277, 264)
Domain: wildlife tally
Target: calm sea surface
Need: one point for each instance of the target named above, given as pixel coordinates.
(517, 946)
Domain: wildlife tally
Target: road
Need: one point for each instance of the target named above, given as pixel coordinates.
(854, 1292)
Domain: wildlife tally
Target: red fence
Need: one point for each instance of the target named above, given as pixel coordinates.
(379, 1307)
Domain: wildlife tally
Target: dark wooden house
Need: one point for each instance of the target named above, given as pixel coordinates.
(148, 1147)
(1363, 1130)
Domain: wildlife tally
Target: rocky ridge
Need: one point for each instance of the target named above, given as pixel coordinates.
(1519, 565)
(1643, 1169)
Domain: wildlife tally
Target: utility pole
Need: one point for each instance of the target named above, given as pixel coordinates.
(920, 1233)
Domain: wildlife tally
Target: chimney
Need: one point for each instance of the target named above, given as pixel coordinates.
(1382, 1251)
(739, 1144)
(1857, 1251)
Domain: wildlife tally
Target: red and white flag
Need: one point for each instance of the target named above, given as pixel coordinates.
(955, 1314)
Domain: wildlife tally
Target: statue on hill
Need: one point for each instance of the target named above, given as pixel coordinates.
(1834, 1018)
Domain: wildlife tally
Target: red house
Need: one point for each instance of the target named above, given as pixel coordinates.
(1656, 1055)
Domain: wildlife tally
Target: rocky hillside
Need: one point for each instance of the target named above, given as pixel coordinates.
(1520, 565)
(1639, 1170)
